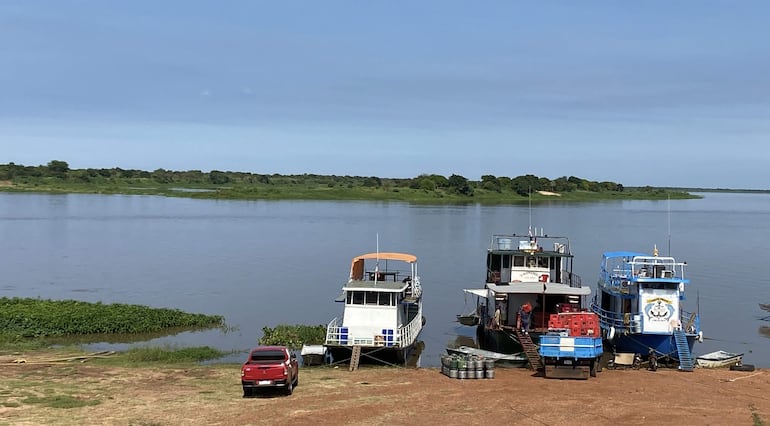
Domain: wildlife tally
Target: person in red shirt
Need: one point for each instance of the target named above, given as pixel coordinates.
(525, 313)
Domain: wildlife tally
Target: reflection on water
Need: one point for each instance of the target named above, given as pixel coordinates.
(97, 339)
(463, 341)
(415, 355)
(764, 330)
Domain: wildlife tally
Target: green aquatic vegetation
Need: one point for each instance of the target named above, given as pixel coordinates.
(169, 355)
(31, 318)
(293, 336)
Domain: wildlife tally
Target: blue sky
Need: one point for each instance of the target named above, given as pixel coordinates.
(640, 93)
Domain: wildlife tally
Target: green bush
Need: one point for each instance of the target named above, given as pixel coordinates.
(293, 336)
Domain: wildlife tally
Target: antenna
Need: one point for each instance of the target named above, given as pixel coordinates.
(530, 210)
(669, 224)
(377, 264)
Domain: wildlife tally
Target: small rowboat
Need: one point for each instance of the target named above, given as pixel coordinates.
(718, 359)
(513, 360)
(764, 306)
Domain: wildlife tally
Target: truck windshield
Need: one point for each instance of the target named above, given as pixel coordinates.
(267, 356)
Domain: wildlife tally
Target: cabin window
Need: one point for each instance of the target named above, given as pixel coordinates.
(542, 262)
(518, 261)
(386, 299)
(371, 297)
(358, 298)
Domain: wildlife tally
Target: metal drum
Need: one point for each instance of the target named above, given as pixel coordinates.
(489, 364)
(490, 374)
(479, 374)
(462, 374)
(453, 373)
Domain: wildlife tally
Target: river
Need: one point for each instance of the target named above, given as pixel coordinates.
(264, 263)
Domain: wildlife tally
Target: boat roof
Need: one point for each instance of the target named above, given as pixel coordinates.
(481, 292)
(384, 286)
(630, 254)
(404, 257)
(539, 288)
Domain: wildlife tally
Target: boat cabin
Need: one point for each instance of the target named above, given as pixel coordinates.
(381, 299)
(530, 269)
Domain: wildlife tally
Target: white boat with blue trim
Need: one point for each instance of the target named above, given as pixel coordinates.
(382, 313)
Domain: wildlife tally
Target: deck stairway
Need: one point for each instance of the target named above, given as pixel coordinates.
(355, 358)
(683, 349)
(530, 349)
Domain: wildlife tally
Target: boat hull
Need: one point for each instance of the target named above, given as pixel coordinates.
(501, 341)
(663, 344)
(718, 360)
(338, 354)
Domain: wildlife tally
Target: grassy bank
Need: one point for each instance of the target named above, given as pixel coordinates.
(57, 177)
(340, 193)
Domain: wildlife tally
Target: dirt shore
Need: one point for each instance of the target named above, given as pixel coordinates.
(87, 393)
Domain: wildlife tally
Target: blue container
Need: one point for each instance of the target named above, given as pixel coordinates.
(570, 347)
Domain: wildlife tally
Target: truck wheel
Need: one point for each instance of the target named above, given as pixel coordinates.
(247, 392)
(592, 368)
(599, 364)
(289, 387)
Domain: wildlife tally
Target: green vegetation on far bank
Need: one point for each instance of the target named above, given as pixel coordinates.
(57, 177)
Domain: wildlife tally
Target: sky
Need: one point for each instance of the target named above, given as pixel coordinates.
(654, 93)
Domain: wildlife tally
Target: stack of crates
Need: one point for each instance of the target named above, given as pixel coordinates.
(574, 323)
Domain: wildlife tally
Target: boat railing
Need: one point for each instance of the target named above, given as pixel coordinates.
(408, 333)
(414, 290)
(571, 279)
(334, 334)
(622, 322)
(690, 321)
(404, 336)
(651, 267)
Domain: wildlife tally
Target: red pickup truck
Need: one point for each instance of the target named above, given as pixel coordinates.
(270, 367)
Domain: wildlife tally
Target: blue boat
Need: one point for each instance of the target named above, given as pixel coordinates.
(640, 303)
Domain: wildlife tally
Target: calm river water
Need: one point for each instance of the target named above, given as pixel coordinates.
(263, 263)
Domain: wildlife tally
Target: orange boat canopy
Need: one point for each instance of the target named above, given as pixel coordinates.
(357, 267)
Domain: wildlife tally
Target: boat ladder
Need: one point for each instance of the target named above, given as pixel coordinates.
(355, 357)
(530, 350)
(683, 349)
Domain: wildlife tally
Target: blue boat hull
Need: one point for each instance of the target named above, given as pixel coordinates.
(664, 344)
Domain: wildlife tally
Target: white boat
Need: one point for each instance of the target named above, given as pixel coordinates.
(718, 359)
(382, 310)
(500, 358)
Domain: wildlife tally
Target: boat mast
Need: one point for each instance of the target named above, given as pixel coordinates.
(669, 224)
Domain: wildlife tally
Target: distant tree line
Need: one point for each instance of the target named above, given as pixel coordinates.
(521, 185)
